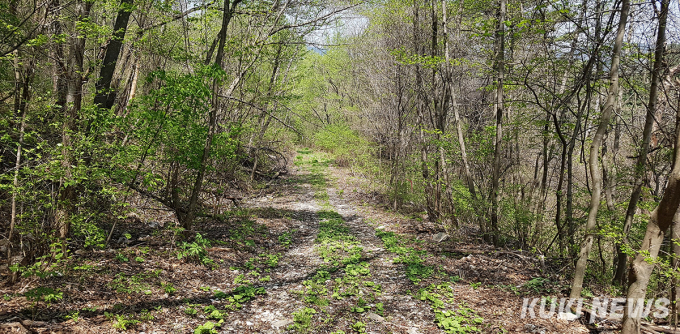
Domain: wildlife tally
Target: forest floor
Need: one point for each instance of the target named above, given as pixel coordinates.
(315, 252)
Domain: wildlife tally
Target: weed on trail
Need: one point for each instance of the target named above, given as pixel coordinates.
(411, 258)
(342, 254)
(344, 278)
(449, 315)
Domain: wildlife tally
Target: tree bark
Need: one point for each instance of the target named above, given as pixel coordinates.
(24, 96)
(659, 222)
(105, 97)
(595, 171)
(639, 170)
(265, 117)
(454, 107)
(662, 217)
(498, 107)
(675, 264)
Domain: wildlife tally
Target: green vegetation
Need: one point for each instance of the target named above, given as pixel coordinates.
(461, 320)
(138, 135)
(124, 322)
(44, 295)
(75, 316)
(168, 288)
(196, 251)
(359, 327)
(136, 283)
(208, 328)
(242, 294)
(302, 320)
(412, 258)
(286, 239)
(190, 311)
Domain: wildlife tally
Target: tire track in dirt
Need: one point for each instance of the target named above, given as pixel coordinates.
(272, 312)
(403, 313)
(299, 266)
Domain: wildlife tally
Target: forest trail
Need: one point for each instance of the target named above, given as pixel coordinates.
(313, 253)
(377, 292)
(377, 280)
(334, 166)
(376, 263)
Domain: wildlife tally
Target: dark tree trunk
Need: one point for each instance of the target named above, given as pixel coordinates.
(105, 96)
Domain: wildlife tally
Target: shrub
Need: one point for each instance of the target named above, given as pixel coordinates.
(196, 251)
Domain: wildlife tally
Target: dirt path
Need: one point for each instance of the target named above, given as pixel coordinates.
(401, 313)
(315, 253)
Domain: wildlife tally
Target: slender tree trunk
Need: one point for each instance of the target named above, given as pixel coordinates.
(639, 171)
(498, 106)
(559, 196)
(662, 217)
(265, 118)
(398, 179)
(595, 170)
(229, 8)
(454, 107)
(675, 287)
(546, 160)
(439, 115)
(659, 222)
(24, 96)
(420, 105)
(73, 103)
(569, 210)
(130, 89)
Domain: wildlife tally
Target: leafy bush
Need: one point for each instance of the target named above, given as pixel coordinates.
(43, 294)
(45, 265)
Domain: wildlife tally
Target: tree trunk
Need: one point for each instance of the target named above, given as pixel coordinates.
(454, 107)
(71, 107)
(595, 171)
(105, 97)
(639, 170)
(265, 117)
(24, 96)
(569, 210)
(659, 222)
(675, 264)
(662, 217)
(498, 106)
(558, 197)
(420, 105)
